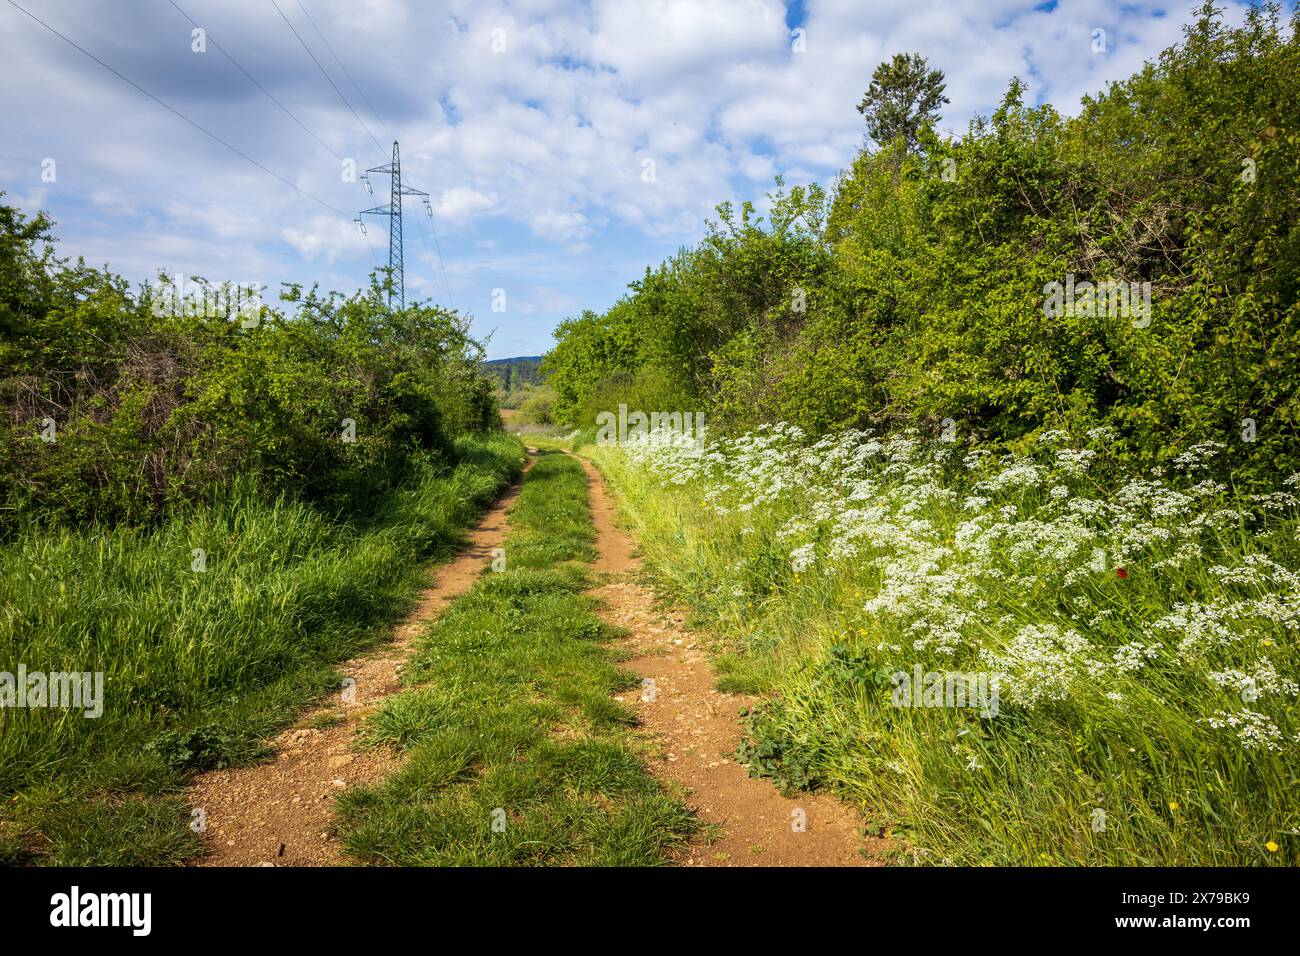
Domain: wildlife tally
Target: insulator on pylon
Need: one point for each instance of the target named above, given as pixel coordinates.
(360, 225)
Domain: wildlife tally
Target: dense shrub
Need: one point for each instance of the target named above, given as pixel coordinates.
(150, 407)
(915, 293)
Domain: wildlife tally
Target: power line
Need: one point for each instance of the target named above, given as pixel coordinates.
(438, 246)
(171, 109)
(254, 81)
(371, 246)
(327, 76)
(373, 112)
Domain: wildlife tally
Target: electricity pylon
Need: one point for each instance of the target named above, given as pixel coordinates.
(394, 213)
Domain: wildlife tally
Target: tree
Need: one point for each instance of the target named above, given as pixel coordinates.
(904, 96)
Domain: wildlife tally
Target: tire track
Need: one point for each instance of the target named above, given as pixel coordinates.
(696, 729)
(278, 813)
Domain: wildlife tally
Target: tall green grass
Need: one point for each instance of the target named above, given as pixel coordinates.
(199, 666)
(515, 751)
(1022, 789)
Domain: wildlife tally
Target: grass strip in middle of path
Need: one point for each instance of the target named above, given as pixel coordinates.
(516, 753)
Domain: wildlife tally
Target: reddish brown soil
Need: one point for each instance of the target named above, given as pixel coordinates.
(279, 813)
(693, 730)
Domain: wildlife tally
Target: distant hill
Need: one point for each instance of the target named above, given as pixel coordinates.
(512, 374)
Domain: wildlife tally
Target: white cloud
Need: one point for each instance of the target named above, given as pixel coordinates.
(461, 202)
(325, 235)
(532, 157)
(560, 225)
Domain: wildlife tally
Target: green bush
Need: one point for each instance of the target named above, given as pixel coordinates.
(538, 407)
(151, 409)
(920, 284)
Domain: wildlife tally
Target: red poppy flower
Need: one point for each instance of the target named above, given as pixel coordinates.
(1121, 573)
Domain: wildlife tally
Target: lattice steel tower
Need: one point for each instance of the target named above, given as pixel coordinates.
(394, 213)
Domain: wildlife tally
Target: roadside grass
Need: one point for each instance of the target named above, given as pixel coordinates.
(200, 668)
(516, 752)
(1024, 788)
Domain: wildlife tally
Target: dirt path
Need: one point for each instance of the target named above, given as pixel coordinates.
(278, 813)
(697, 729)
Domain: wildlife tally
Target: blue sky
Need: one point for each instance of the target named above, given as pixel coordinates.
(530, 124)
